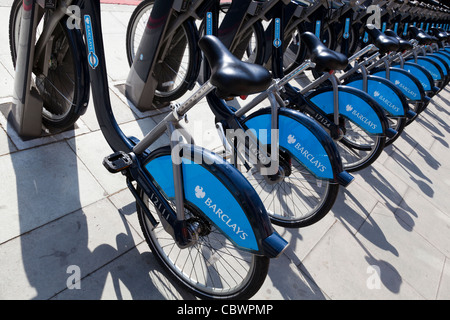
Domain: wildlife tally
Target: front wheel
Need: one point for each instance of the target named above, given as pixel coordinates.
(303, 189)
(61, 81)
(178, 62)
(362, 124)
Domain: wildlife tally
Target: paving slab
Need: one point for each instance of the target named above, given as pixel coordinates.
(42, 263)
(380, 182)
(407, 252)
(6, 145)
(345, 269)
(422, 216)
(6, 82)
(425, 173)
(40, 185)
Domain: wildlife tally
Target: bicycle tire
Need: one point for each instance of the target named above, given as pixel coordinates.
(177, 71)
(168, 254)
(65, 89)
(294, 53)
(339, 38)
(374, 145)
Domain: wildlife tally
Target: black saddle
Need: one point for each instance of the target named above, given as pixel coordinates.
(404, 44)
(421, 36)
(325, 59)
(440, 34)
(231, 76)
(383, 42)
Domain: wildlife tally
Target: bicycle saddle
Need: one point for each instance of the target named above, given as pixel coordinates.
(229, 75)
(325, 59)
(383, 42)
(404, 44)
(446, 34)
(440, 34)
(420, 35)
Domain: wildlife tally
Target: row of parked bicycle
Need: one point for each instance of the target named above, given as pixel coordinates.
(207, 223)
(370, 81)
(363, 102)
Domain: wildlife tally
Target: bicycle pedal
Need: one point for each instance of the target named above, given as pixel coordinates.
(117, 162)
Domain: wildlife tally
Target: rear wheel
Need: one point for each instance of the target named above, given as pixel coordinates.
(177, 66)
(294, 50)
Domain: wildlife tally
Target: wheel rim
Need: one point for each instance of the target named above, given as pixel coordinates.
(357, 147)
(213, 266)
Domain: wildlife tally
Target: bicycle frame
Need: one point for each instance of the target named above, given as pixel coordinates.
(297, 97)
(226, 119)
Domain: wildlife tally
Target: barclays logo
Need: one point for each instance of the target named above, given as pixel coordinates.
(225, 218)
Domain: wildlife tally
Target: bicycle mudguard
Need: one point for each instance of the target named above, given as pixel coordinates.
(445, 56)
(222, 194)
(355, 105)
(75, 38)
(422, 74)
(388, 96)
(432, 66)
(305, 140)
(444, 59)
(405, 81)
(441, 61)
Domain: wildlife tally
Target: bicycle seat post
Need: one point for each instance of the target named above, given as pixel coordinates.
(365, 75)
(335, 83)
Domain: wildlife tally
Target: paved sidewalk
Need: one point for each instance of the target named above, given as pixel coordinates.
(61, 212)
